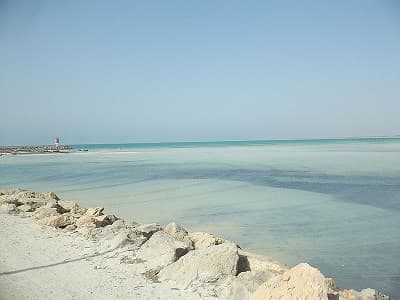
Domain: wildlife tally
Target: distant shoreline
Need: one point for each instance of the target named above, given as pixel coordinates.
(48, 149)
(314, 139)
(41, 149)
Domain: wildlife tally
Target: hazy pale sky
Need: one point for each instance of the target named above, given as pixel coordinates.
(138, 71)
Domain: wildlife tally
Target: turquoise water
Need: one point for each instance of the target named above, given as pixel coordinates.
(333, 203)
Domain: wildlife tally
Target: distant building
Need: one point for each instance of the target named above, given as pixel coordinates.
(57, 142)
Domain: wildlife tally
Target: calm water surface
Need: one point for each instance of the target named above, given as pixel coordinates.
(332, 203)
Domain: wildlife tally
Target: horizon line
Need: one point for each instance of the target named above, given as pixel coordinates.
(232, 141)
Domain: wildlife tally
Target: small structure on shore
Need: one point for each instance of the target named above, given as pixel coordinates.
(56, 148)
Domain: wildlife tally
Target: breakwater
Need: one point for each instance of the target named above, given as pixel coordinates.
(34, 149)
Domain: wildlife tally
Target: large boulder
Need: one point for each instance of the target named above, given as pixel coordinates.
(202, 266)
(203, 240)
(302, 282)
(179, 233)
(59, 221)
(253, 271)
(162, 249)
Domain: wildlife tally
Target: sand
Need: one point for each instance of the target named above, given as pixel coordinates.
(39, 262)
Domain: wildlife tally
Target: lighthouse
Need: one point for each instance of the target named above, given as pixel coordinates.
(57, 142)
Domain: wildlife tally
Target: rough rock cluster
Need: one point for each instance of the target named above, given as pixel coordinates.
(199, 261)
(34, 149)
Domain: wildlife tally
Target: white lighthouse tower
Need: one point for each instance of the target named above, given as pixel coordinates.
(57, 142)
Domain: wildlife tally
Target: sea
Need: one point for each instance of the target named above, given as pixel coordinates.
(334, 203)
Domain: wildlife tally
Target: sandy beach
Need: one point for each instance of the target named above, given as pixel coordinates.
(54, 249)
(39, 262)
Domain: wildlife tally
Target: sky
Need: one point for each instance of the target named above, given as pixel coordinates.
(154, 71)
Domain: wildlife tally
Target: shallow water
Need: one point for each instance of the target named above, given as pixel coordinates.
(333, 203)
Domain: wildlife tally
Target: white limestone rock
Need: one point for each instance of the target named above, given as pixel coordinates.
(232, 288)
(8, 208)
(59, 221)
(45, 212)
(148, 230)
(94, 211)
(366, 294)
(162, 249)
(203, 240)
(179, 233)
(255, 262)
(72, 207)
(115, 241)
(301, 282)
(199, 267)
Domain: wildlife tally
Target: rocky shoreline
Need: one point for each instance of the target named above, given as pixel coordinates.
(40, 149)
(197, 262)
